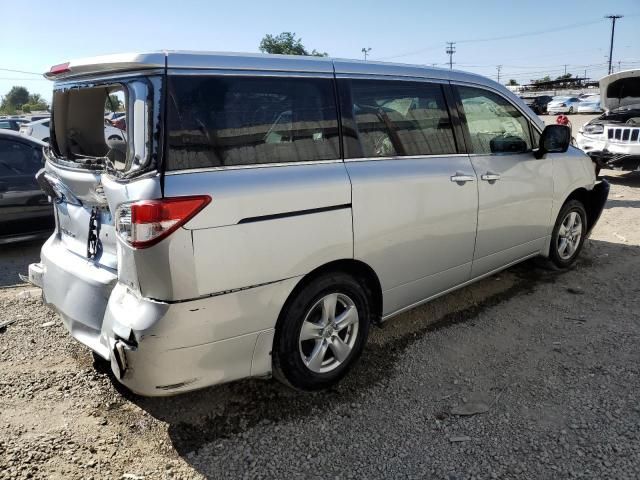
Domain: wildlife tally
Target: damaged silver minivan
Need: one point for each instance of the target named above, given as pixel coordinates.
(263, 211)
(612, 139)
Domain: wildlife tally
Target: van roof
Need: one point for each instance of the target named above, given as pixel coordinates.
(249, 61)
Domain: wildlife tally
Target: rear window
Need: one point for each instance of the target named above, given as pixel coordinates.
(218, 121)
(84, 135)
(81, 130)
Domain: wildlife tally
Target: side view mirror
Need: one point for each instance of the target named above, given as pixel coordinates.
(554, 139)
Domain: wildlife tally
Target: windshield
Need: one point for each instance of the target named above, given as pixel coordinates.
(105, 126)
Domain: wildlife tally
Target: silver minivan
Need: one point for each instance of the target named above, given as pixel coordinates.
(263, 212)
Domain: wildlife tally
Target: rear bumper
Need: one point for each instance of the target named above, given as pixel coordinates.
(157, 348)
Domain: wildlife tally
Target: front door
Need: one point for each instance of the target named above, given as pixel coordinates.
(414, 196)
(515, 189)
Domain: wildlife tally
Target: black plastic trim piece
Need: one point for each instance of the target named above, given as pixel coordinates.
(296, 213)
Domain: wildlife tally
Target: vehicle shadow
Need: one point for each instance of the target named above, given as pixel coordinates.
(628, 179)
(613, 203)
(15, 258)
(229, 410)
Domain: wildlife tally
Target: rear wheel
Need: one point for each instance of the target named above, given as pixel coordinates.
(568, 234)
(570, 109)
(321, 332)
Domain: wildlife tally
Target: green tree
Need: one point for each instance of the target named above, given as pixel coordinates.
(113, 104)
(36, 98)
(14, 100)
(513, 82)
(286, 43)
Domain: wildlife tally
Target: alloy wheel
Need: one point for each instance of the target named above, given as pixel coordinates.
(328, 333)
(569, 235)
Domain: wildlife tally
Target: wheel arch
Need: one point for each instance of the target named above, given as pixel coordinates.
(593, 201)
(350, 266)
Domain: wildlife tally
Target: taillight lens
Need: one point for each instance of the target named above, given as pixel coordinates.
(146, 222)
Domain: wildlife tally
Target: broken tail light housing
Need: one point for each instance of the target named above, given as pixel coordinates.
(60, 68)
(144, 223)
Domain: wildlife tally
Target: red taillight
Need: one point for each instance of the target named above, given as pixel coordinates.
(146, 222)
(60, 68)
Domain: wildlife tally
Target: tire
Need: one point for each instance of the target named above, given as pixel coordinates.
(314, 363)
(563, 254)
(570, 110)
(115, 137)
(45, 140)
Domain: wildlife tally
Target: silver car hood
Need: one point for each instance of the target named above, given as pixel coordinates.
(620, 89)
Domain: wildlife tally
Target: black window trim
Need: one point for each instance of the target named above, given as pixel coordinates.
(465, 128)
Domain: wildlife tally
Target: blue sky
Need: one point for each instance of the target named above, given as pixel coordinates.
(409, 31)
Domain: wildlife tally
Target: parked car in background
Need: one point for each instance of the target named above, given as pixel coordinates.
(563, 105)
(590, 104)
(11, 123)
(40, 130)
(613, 139)
(25, 212)
(538, 104)
(246, 229)
(36, 117)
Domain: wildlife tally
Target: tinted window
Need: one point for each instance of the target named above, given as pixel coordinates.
(396, 118)
(5, 124)
(223, 121)
(18, 159)
(495, 125)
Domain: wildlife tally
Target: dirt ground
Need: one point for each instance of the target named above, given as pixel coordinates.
(553, 357)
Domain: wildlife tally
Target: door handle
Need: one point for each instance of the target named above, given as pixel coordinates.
(490, 177)
(462, 178)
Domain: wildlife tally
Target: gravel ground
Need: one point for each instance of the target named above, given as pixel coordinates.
(551, 359)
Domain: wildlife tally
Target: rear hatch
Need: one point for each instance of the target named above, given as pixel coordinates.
(91, 164)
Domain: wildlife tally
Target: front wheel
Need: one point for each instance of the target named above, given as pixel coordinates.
(570, 109)
(568, 234)
(321, 332)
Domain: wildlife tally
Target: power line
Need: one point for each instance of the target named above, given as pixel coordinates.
(19, 71)
(490, 39)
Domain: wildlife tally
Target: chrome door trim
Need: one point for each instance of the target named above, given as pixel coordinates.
(403, 78)
(405, 157)
(215, 72)
(255, 165)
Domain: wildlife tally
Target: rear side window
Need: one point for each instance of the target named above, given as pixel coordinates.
(395, 118)
(495, 125)
(227, 121)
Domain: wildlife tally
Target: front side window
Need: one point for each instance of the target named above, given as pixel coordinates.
(227, 121)
(495, 125)
(396, 118)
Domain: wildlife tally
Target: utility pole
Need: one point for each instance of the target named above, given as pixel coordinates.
(613, 29)
(619, 65)
(366, 52)
(499, 67)
(565, 68)
(450, 51)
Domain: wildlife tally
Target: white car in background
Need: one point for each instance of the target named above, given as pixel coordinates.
(563, 105)
(590, 104)
(40, 130)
